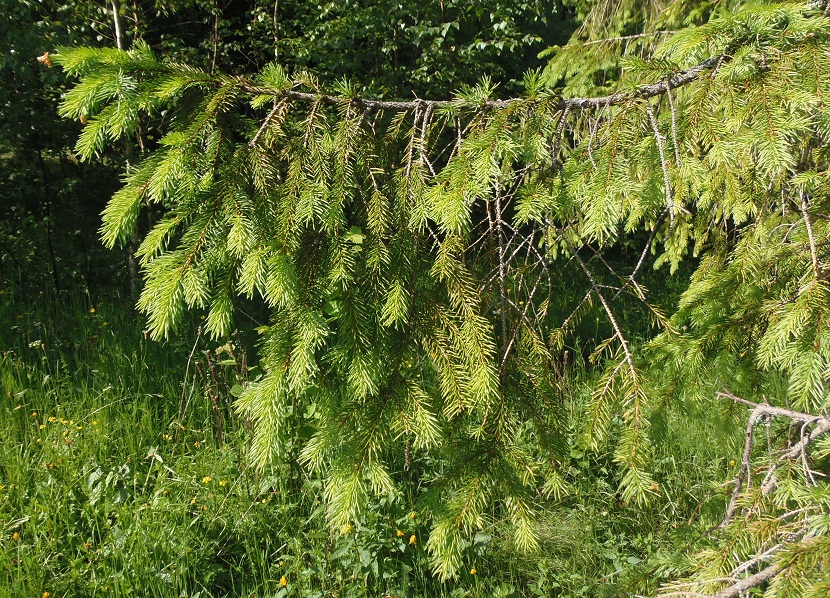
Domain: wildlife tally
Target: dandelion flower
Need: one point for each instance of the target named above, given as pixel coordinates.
(473, 571)
(42, 426)
(283, 581)
(34, 413)
(207, 479)
(399, 533)
(15, 536)
(45, 595)
(223, 483)
(412, 539)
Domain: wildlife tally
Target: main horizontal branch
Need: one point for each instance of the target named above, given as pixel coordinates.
(620, 97)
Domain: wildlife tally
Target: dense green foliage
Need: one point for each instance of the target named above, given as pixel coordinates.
(459, 324)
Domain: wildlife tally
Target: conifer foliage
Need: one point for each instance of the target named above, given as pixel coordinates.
(411, 254)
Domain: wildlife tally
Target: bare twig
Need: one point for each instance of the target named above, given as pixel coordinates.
(663, 163)
(810, 236)
(625, 38)
(797, 451)
(268, 119)
(675, 143)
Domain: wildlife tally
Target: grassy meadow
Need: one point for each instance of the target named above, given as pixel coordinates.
(123, 472)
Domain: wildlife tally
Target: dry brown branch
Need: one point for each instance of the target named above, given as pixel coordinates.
(820, 425)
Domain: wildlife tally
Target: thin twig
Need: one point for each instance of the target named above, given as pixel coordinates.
(267, 122)
(810, 236)
(663, 163)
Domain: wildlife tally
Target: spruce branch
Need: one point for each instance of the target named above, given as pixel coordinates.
(644, 92)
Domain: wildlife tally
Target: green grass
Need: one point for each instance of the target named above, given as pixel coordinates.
(123, 472)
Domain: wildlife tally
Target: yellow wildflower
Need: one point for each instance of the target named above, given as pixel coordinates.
(348, 528)
(52, 420)
(45, 595)
(207, 479)
(223, 483)
(283, 581)
(92, 310)
(34, 413)
(15, 536)
(399, 533)
(42, 426)
(412, 539)
(473, 571)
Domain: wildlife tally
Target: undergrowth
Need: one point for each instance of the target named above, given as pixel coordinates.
(123, 472)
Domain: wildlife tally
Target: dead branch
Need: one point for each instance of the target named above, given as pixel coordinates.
(819, 425)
